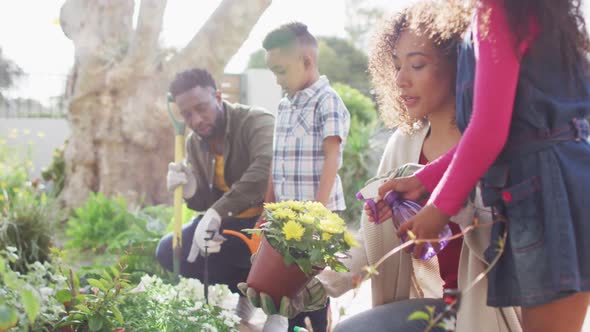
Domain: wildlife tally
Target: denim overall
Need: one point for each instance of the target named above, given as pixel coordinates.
(539, 184)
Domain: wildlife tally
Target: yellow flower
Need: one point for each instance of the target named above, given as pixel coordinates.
(307, 219)
(283, 213)
(326, 236)
(294, 205)
(332, 224)
(3, 184)
(272, 206)
(26, 131)
(1, 198)
(40, 134)
(293, 230)
(2, 141)
(349, 239)
(15, 190)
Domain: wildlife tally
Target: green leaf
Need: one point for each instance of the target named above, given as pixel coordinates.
(118, 315)
(419, 315)
(106, 275)
(8, 317)
(430, 309)
(83, 308)
(64, 296)
(95, 323)
(114, 271)
(98, 284)
(31, 304)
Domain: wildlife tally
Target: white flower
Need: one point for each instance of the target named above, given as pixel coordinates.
(46, 292)
(449, 324)
(209, 327)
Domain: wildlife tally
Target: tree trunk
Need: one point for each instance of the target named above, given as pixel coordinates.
(121, 138)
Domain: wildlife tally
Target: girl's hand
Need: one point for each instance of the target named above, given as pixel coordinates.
(384, 212)
(410, 187)
(427, 224)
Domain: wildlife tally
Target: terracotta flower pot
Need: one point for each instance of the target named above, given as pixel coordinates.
(270, 274)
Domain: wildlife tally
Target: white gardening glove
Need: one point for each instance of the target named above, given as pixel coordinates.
(181, 175)
(208, 228)
(276, 323)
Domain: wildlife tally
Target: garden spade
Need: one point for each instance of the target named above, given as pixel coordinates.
(179, 128)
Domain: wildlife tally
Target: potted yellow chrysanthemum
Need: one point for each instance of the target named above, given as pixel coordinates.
(300, 238)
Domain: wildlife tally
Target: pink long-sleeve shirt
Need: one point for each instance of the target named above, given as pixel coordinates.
(451, 178)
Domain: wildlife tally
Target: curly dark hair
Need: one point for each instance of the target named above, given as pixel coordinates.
(189, 79)
(443, 22)
(562, 22)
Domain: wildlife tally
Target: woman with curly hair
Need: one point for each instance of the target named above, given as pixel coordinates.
(413, 66)
(522, 102)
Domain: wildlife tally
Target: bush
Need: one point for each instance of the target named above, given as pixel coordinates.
(98, 224)
(137, 245)
(28, 224)
(358, 163)
(27, 215)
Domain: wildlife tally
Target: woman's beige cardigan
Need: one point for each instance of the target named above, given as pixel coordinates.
(400, 277)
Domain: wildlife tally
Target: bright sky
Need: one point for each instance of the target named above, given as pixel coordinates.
(30, 36)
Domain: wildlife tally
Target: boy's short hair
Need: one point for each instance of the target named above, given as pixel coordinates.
(189, 79)
(289, 35)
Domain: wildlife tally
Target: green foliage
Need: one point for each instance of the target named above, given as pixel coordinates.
(28, 301)
(341, 62)
(433, 320)
(98, 310)
(359, 163)
(157, 306)
(56, 172)
(138, 244)
(360, 106)
(99, 224)
(28, 223)
(257, 59)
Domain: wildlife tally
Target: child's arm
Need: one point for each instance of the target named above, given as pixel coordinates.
(496, 77)
(269, 197)
(329, 169)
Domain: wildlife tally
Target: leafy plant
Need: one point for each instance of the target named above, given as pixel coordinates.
(98, 223)
(98, 310)
(28, 301)
(306, 233)
(28, 224)
(359, 162)
(138, 244)
(157, 306)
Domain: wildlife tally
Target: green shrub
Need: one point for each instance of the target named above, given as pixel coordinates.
(28, 301)
(137, 246)
(28, 224)
(358, 165)
(98, 224)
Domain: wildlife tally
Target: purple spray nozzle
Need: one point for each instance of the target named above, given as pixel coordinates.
(403, 210)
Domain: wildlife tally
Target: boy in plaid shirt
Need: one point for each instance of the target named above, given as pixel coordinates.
(311, 127)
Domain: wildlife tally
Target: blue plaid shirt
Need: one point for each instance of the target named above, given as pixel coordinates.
(302, 124)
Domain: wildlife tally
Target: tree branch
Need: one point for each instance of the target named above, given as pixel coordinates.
(220, 38)
(144, 42)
